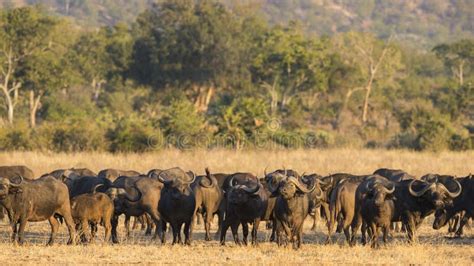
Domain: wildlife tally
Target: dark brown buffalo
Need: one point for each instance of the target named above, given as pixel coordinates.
(316, 200)
(292, 205)
(16, 171)
(35, 201)
(394, 175)
(135, 196)
(342, 204)
(177, 205)
(416, 199)
(71, 173)
(86, 184)
(328, 184)
(13, 172)
(374, 200)
(112, 174)
(209, 198)
(92, 208)
(247, 202)
(272, 180)
(462, 204)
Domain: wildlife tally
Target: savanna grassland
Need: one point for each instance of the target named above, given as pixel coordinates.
(433, 246)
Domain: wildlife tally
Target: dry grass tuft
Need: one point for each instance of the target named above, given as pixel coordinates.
(433, 247)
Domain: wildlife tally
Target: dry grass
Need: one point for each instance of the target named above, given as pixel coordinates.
(433, 247)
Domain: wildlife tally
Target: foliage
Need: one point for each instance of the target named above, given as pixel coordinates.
(190, 74)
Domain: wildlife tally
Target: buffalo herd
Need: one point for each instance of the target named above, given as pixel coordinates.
(376, 204)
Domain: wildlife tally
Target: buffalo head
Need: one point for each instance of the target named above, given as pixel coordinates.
(380, 190)
(9, 187)
(241, 193)
(177, 186)
(291, 187)
(434, 191)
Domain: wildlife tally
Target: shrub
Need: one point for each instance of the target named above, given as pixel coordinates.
(134, 135)
(77, 136)
(184, 126)
(16, 138)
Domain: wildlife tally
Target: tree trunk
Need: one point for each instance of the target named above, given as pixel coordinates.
(461, 73)
(345, 104)
(67, 6)
(366, 101)
(34, 105)
(204, 98)
(10, 110)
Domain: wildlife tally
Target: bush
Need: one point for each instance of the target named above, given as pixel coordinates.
(134, 135)
(309, 139)
(77, 136)
(16, 138)
(184, 126)
(423, 129)
(460, 143)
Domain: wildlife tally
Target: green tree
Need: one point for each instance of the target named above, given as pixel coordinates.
(458, 57)
(375, 61)
(188, 44)
(289, 64)
(100, 56)
(24, 32)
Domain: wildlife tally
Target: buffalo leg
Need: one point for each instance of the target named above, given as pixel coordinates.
(14, 231)
(234, 227)
(386, 233)
(220, 217)
(245, 233)
(94, 229)
(255, 231)
(207, 225)
(187, 233)
(21, 231)
(274, 231)
(225, 226)
(374, 238)
(411, 228)
(54, 229)
(174, 228)
(149, 224)
(136, 221)
(464, 221)
(160, 229)
(85, 230)
(127, 225)
(163, 226)
(70, 226)
(114, 223)
(108, 229)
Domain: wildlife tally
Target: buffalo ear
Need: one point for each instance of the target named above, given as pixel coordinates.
(15, 190)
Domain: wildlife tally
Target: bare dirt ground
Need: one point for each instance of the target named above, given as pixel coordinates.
(432, 247)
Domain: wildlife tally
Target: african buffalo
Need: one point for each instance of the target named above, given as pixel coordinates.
(135, 196)
(177, 205)
(463, 203)
(342, 206)
(374, 199)
(247, 202)
(86, 184)
(394, 175)
(71, 173)
(92, 208)
(292, 205)
(16, 171)
(112, 174)
(209, 198)
(35, 201)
